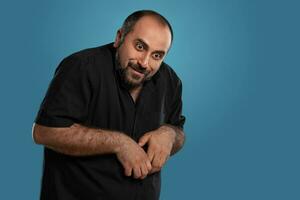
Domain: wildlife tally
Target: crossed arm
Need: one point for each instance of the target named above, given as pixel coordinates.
(78, 140)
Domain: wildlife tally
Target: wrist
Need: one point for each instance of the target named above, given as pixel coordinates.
(122, 141)
(169, 130)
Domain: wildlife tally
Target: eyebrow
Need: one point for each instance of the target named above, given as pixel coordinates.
(147, 46)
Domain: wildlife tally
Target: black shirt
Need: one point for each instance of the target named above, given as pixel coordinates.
(87, 89)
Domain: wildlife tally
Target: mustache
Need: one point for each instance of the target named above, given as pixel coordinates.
(138, 68)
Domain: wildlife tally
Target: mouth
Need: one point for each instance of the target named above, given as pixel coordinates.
(137, 69)
(136, 72)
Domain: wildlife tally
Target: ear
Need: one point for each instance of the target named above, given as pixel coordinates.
(118, 38)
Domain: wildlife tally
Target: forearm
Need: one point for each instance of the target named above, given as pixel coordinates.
(79, 140)
(179, 138)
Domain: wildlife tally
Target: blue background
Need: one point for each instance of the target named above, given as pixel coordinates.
(239, 63)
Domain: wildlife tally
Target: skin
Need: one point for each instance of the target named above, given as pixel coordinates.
(141, 51)
(140, 55)
(78, 140)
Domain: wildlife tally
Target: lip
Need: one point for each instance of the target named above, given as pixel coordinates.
(137, 72)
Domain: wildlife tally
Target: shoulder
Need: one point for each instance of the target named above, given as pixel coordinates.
(92, 56)
(88, 60)
(169, 77)
(100, 52)
(88, 65)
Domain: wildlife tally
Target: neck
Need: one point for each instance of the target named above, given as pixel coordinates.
(134, 92)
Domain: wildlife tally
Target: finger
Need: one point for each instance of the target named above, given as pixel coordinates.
(144, 139)
(144, 171)
(167, 158)
(154, 170)
(156, 163)
(136, 172)
(150, 153)
(162, 159)
(128, 171)
(149, 166)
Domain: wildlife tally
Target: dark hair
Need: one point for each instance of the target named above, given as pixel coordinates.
(131, 20)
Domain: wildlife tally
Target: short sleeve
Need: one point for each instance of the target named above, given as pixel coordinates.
(175, 116)
(68, 95)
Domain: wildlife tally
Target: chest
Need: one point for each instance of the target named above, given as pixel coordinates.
(113, 107)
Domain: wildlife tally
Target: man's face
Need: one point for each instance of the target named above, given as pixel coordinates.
(142, 51)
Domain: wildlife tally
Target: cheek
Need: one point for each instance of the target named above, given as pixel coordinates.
(128, 57)
(155, 66)
(123, 58)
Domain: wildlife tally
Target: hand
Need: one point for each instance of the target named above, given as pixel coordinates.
(133, 158)
(160, 143)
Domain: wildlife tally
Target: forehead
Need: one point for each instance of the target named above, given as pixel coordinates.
(153, 32)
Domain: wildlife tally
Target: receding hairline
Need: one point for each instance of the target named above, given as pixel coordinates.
(156, 18)
(130, 22)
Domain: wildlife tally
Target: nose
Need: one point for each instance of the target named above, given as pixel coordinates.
(144, 60)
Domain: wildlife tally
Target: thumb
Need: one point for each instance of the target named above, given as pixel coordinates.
(144, 139)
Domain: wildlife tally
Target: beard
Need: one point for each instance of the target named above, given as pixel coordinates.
(130, 79)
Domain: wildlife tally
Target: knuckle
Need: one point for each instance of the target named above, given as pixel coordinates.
(165, 151)
(126, 166)
(149, 167)
(156, 166)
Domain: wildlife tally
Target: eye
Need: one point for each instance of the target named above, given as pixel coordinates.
(157, 56)
(139, 46)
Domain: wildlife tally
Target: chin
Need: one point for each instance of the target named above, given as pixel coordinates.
(134, 83)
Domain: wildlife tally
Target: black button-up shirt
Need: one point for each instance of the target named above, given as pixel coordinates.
(88, 89)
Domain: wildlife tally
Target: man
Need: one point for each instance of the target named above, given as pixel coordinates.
(112, 116)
